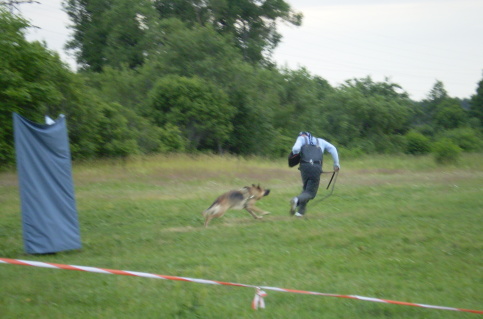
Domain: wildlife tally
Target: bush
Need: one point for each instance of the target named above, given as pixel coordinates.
(446, 152)
(425, 129)
(282, 145)
(172, 139)
(365, 144)
(417, 143)
(351, 153)
(390, 144)
(466, 138)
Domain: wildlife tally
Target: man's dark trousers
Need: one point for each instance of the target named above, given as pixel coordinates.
(311, 179)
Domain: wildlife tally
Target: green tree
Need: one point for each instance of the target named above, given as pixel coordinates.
(440, 112)
(110, 32)
(120, 85)
(361, 112)
(201, 52)
(476, 104)
(195, 52)
(197, 107)
(250, 24)
(301, 105)
(255, 101)
(428, 107)
(449, 114)
(126, 87)
(117, 139)
(29, 79)
(34, 83)
(438, 93)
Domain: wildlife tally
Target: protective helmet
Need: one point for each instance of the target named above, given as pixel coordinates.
(309, 136)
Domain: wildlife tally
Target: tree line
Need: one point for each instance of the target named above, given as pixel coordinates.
(197, 76)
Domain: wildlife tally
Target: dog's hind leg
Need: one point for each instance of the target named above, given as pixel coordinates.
(208, 215)
(208, 218)
(211, 213)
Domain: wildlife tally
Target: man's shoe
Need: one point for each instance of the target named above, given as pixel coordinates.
(297, 214)
(293, 205)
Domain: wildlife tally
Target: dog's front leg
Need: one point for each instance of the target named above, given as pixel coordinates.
(252, 213)
(258, 210)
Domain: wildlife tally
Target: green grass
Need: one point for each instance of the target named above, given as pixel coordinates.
(399, 228)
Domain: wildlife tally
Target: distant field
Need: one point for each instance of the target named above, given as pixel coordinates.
(396, 227)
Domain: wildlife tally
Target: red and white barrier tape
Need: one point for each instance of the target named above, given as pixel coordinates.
(257, 301)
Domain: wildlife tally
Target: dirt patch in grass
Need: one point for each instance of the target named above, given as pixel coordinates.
(380, 171)
(8, 180)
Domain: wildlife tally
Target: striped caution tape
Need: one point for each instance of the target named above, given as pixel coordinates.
(260, 294)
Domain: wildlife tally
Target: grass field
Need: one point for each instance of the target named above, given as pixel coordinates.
(399, 228)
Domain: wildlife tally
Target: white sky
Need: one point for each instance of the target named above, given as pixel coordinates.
(414, 43)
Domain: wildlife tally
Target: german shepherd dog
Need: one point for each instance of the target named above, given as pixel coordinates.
(244, 198)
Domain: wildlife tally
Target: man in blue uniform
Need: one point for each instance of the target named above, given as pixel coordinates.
(311, 150)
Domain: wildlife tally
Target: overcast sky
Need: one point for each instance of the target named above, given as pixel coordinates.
(413, 43)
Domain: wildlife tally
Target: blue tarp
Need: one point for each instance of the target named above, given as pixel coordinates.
(49, 213)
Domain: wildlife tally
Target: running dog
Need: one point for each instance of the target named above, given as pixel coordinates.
(244, 198)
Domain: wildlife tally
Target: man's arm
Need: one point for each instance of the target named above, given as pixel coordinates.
(298, 145)
(333, 151)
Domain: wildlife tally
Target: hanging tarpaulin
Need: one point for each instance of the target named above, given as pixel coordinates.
(49, 214)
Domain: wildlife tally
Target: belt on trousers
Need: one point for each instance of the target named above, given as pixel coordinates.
(311, 162)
